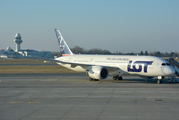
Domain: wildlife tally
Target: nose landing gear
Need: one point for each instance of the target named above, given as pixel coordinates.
(160, 79)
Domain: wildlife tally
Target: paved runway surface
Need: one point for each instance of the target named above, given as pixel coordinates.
(73, 97)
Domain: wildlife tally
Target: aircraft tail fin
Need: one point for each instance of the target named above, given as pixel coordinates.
(63, 45)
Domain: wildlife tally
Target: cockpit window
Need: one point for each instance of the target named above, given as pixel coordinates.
(168, 64)
(163, 64)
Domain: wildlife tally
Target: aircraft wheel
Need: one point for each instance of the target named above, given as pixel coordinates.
(114, 77)
(117, 77)
(159, 81)
(120, 78)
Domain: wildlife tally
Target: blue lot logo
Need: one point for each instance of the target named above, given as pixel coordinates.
(137, 66)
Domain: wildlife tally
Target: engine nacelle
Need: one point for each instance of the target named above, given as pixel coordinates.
(97, 72)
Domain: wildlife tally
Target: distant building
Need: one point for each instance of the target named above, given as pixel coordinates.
(10, 53)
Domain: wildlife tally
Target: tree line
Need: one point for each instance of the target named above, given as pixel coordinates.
(80, 50)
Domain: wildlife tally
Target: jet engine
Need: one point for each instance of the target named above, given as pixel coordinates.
(97, 72)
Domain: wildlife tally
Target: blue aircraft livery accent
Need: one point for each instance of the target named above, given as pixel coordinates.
(132, 67)
(63, 46)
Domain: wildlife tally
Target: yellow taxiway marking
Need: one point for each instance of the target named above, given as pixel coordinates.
(32, 102)
(14, 102)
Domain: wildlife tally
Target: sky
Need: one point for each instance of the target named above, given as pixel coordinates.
(114, 25)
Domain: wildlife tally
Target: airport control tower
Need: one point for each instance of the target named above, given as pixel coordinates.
(18, 41)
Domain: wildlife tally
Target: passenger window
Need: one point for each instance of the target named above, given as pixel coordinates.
(163, 64)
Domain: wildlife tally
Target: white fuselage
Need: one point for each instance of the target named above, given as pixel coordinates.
(148, 66)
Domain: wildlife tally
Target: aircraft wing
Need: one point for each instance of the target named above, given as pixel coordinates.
(84, 66)
(87, 67)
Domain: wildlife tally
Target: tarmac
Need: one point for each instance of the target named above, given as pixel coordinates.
(71, 96)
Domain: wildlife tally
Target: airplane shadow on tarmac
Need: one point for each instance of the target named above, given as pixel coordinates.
(149, 81)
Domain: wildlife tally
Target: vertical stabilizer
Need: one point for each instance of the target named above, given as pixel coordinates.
(63, 45)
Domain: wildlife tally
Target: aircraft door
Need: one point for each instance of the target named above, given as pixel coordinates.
(91, 59)
(157, 67)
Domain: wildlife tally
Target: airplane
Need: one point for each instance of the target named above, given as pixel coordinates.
(98, 67)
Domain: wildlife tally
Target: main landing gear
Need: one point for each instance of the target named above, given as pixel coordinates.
(117, 77)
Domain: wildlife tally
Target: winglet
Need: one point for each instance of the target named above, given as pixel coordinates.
(63, 45)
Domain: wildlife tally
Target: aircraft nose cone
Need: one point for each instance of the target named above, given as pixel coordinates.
(169, 71)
